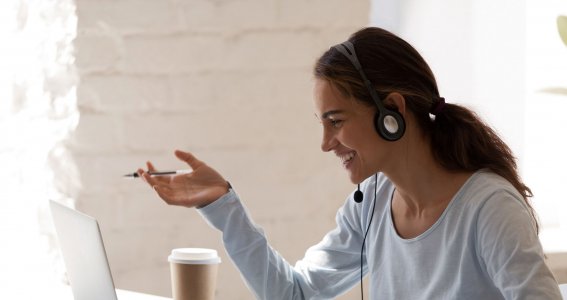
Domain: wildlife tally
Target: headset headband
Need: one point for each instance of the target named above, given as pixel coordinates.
(347, 49)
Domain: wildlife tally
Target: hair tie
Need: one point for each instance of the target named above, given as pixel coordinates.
(437, 107)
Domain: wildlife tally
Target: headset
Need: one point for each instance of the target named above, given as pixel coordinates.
(389, 124)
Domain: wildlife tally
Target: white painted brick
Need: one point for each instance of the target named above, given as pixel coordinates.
(171, 54)
(269, 49)
(192, 93)
(223, 127)
(129, 248)
(103, 173)
(97, 133)
(295, 175)
(323, 13)
(163, 132)
(130, 16)
(290, 194)
(100, 206)
(120, 94)
(238, 88)
(269, 88)
(228, 16)
(97, 52)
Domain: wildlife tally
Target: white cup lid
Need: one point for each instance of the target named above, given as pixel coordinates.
(194, 256)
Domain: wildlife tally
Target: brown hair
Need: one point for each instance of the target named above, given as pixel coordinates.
(459, 139)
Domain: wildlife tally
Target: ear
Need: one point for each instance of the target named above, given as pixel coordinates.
(395, 101)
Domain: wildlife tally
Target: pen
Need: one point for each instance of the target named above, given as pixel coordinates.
(162, 173)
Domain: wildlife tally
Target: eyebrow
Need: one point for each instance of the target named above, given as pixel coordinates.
(329, 113)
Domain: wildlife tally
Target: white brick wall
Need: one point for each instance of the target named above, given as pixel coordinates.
(228, 80)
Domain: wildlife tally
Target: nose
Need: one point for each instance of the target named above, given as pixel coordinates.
(329, 141)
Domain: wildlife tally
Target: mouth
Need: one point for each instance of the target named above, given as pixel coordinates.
(347, 158)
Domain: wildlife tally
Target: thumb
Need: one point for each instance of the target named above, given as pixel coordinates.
(187, 157)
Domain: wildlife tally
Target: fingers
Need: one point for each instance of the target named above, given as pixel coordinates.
(187, 157)
(152, 181)
(140, 173)
(147, 177)
(150, 167)
(174, 190)
(163, 191)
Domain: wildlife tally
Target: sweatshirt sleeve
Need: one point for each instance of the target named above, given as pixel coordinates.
(327, 270)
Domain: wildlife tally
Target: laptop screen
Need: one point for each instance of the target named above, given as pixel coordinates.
(83, 253)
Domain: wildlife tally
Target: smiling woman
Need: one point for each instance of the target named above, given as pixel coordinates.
(452, 216)
(37, 111)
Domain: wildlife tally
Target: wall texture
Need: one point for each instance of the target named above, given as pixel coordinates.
(231, 82)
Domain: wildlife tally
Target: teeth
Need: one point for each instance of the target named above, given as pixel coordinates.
(347, 157)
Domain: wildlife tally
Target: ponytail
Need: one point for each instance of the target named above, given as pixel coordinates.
(460, 140)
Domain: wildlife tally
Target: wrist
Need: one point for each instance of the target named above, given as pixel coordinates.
(227, 189)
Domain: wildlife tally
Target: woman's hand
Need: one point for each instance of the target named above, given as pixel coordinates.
(196, 189)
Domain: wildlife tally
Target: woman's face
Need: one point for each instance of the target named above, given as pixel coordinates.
(348, 131)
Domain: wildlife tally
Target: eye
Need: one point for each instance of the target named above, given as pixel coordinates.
(336, 123)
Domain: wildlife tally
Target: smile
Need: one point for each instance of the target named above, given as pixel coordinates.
(347, 157)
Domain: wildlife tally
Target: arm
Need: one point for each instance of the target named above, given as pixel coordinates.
(327, 270)
(509, 248)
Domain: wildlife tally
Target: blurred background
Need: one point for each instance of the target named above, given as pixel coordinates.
(91, 90)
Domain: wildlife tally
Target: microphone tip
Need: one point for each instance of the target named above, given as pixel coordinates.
(358, 196)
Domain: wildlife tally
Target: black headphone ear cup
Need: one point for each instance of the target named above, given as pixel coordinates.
(390, 125)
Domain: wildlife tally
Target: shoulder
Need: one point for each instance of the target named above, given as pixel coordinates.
(488, 188)
(495, 205)
(488, 201)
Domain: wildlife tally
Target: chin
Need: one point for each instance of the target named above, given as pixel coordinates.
(356, 178)
(359, 178)
(354, 181)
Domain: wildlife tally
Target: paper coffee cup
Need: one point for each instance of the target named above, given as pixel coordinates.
(193, 273)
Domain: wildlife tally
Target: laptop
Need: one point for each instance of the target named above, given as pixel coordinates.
(85, 258)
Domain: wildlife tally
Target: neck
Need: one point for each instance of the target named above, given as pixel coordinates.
(421, 182)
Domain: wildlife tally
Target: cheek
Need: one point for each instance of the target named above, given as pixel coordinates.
(363, 140)
(367, 132)
(370, 145)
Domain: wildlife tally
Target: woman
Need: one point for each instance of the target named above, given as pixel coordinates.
(443, 213)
